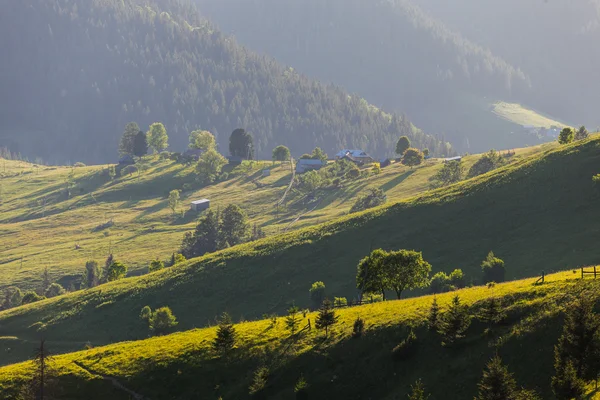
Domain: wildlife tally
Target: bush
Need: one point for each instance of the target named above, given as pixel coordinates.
(162, 320)
(358, 328)
(439, 283)
(340, 302)
(156, 265)
(301, 389)
(146, 313)
(31, 297)
(353, 174)
(260, 381)
(488, 162)
(374, 198)
(493, 269)
(317, 294)
(55, 290)
(457, 279)
(406, 349)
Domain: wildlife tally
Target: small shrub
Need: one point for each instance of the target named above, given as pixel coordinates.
(493, 269)
(162, 320)
(146, 313)
(340, 302)
(317, 294)
(156, 265)
(358, 328)
(406, 349)
(374, 198)
(301, 389)
(31, 297)
(55, 290)
(259, 382)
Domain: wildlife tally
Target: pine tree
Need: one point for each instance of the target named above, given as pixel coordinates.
(292, 321)
(105, 269)
(326, 317)
(418, 391)
(43, 372)
(492, 311)
(577, 354)
(497, 382)
(434, 316)
(46, 281)
(455, 321)
(226, 335)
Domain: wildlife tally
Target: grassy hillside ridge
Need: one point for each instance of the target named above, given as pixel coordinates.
(181, 365)
(536, 214)
(40, 226)
(523, 116)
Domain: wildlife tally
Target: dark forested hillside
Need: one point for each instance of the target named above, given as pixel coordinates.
(554, 41)
(74, 72)
(391, 52)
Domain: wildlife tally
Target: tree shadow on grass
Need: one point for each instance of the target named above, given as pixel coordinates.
(396, 181)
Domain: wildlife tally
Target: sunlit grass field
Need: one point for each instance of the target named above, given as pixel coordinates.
(182, 365)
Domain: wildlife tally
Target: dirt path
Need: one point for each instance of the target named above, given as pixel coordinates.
(113, 381)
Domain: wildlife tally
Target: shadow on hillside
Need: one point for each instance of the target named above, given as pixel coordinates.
(396, 181)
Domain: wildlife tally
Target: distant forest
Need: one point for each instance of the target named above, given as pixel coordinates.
(391, 52)
(74, 72)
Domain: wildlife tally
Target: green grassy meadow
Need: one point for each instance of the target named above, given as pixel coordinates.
(183, 366)
(536, 213)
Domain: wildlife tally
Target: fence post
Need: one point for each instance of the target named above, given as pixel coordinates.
(581, 272)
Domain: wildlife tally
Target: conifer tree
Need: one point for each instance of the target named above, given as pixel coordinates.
(433, 319)
(418, 391)
(326, 317)
(455, 321)
(105, 269)
(492, 311)
(292, 321)
(46, 281)
(497, 382)
(226, 335)
(577, 354)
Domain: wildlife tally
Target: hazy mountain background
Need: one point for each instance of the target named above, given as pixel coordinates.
(75, 72)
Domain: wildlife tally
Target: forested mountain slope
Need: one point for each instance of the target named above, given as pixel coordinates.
(537, 215)
(555, 42)
(74, 72)
(393, 54)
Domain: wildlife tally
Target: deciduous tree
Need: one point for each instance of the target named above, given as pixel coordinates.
(317, 294)
(203, 140)
(582, 133)
(370, 277)
(210, 165)
(234, 226)
(157, 137)
(174, 199)
(405, 270)
(493, 269)
(281, 153)
(117, 270)
(162, 321)
(127, 143)
(566, 136)
(412, 157)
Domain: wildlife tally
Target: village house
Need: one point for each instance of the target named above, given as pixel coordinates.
(304, 165)
(200, 205)
(359, 157)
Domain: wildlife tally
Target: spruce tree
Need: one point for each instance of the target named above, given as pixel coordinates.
(497, 382)
(418, 391)
(292, 321)
(455, 321)
(226, 335)
(492, 311)
(326, 317)
(577, 354)
(433, 319)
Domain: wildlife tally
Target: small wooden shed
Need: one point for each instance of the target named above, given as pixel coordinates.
(266, 172)
(200, 205)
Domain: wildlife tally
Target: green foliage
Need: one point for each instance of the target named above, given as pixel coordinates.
(310, 181)
(127, 143)
(205, 238)
(146, 314)
(241, 144)
(203, 140)
(174, 199)
(497, 382)
(317, 294)
(226, 336)
(418, 391)
(176, 258)
(259, 382)
(579, 344)
(292, 321)
(440, 283)
(91, 276)
(373, 198)
(162, 321)
(493, 269)
(433, 318)
(210, 165)
(234, 226)
(31, 297)
(412, 157)
(318, 154)
(370, 276)
(457, 278)
(566, 136)
(117, 270)
(486, 163)
(358, 328)
(492, 312)
(582, 133)
(301, 389)
(376, 169)
(596, 179)
(402, 145)
(426, 152)
(566, 385)
(281, 153)
(54, 290)
(455, 321)
(451, 172)
(405, 270)
(156, 265)
(406, 348)
(340, 302)
(157, 137)
(140, 144)
(326, 317)
(12, 297)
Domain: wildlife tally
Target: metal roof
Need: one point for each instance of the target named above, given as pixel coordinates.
(201, 201)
